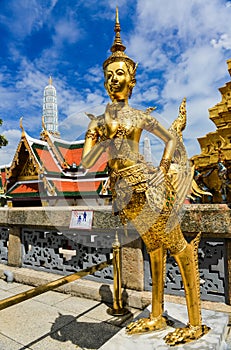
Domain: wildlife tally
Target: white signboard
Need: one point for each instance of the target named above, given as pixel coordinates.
(81, 219)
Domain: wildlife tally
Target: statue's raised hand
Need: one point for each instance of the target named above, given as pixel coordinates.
(111, 120)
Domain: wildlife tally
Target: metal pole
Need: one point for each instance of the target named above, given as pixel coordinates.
(18, 298)
(117, 309)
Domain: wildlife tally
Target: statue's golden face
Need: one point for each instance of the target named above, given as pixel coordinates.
(117, 81)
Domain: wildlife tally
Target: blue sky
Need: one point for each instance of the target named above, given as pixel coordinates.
(181, 46)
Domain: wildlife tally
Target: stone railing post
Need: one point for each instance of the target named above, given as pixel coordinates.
(14, 247)
(133, 265)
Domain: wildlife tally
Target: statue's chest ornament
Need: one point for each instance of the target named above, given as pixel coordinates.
(123, 124)
(119, 126)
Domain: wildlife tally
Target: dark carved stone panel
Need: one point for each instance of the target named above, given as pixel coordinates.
(212, 270)
(57, 253)
(4, 237)
(211, 267)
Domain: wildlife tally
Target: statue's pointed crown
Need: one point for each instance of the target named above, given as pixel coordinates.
(118, 48)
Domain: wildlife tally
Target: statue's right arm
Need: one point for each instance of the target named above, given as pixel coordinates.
(92, 149)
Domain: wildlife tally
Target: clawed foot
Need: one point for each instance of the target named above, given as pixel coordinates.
(186, 335)
(146, 325)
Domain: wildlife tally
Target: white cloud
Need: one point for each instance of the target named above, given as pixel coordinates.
(196, 74)
(27, 15)
(23, 96)
(150, 94)
(66, 31)
(94, 74)
(224, 41)
(7, 153)
(106, 8)
(186, 46)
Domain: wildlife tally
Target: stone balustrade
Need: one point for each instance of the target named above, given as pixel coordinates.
(214, 221)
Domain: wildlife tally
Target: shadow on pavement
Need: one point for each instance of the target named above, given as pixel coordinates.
(88, 335)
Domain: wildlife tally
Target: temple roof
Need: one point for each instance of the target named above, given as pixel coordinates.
(48, 167)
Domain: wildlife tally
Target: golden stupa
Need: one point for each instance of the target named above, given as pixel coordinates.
(213, 165)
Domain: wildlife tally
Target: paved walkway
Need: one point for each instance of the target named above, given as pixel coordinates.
(57, 321)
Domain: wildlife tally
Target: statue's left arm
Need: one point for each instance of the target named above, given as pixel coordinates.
(153, 126)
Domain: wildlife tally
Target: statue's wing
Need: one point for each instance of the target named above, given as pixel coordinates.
(91, 116)
(181, 171)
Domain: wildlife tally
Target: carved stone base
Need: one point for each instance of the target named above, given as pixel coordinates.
(177, 313)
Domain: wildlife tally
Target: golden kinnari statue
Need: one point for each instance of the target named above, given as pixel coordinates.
(149, 197)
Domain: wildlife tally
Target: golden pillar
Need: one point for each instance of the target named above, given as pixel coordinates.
(117, 309)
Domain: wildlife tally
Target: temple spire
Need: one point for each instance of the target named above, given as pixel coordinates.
(50, 109)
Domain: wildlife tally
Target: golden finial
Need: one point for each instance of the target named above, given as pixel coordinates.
(116, 243)
(50, 80)
(117, 15)
(118, 48)
(117, 45)
(21, 125)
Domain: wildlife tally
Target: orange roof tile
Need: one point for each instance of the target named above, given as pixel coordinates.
(100, 165)
(71, 155)
(26, 188)
(86, 186)
(47, 160)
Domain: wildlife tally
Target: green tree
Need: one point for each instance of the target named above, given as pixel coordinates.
(3, 140)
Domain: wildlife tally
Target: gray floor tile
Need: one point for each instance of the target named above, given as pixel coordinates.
(51, 298)
(16, 289)
(9, 344)
(28, 321)
(77, 305)
(49, 343)
(5, 294)
(8, 286)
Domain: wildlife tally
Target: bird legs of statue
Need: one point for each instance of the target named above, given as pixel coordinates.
(155, 321)
(187, 261)
(188, 264)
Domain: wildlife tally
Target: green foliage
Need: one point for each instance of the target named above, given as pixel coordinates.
(3, 140)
